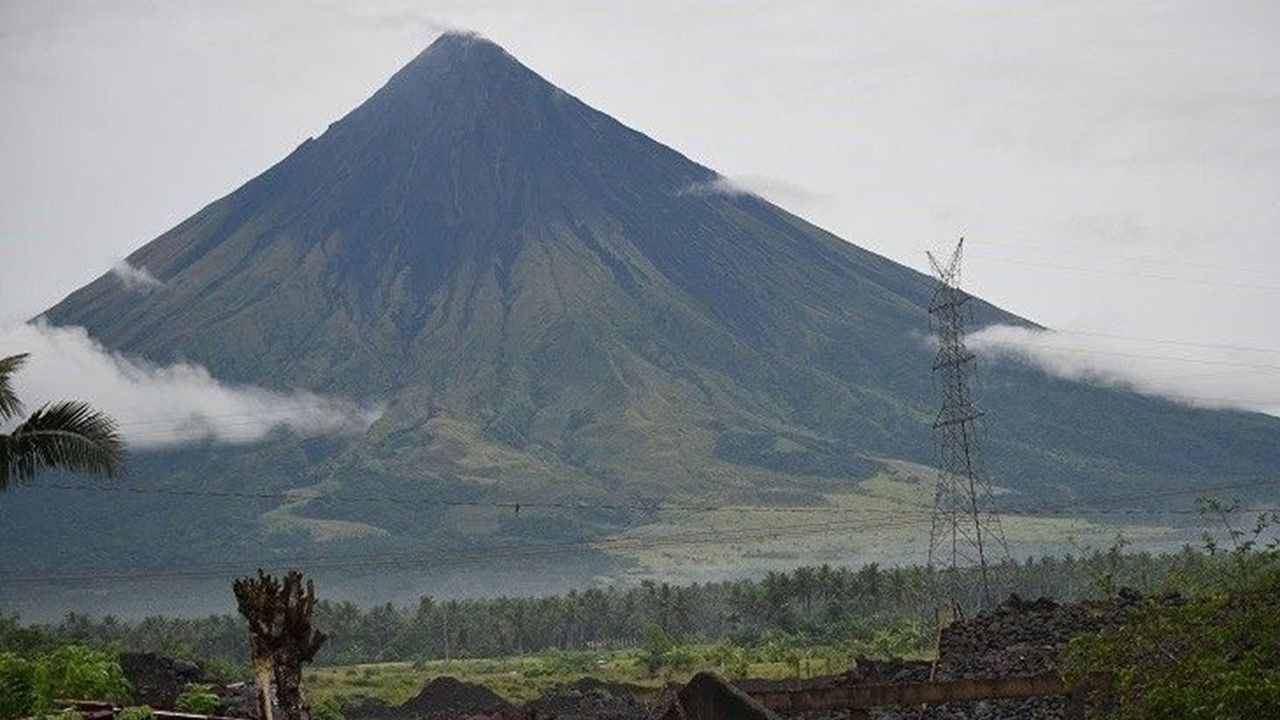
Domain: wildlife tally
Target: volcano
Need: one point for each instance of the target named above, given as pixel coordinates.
(555, 308)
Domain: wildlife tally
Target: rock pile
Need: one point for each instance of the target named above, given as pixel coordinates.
(1018, 638)
(157, 680)
(447, 697)
(586, 699)
(867, 671)
(708, 697)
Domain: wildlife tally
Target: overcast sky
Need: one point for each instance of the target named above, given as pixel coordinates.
(1114, 166)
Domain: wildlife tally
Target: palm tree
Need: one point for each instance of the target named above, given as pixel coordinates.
(68, 434)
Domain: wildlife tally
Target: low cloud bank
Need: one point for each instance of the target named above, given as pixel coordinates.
(767, 188)
(163, 406)
(135, 278)
(716, 186)
(1225, 378)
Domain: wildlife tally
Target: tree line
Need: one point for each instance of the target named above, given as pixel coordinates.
(821, 605)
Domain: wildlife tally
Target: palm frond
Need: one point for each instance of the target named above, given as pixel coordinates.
(69, 435)
(10, 405)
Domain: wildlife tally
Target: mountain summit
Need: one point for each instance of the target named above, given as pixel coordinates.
(555, 306)
(406, 207)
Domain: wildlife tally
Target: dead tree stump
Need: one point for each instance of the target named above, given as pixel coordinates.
(279, 617)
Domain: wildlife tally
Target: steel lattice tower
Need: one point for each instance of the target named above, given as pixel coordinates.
(966, 530)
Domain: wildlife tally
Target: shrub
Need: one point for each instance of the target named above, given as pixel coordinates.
(138, 712)
(663, 650)
(89, 673)
(198, 699)
(561, 663)
(1213, 656)
(75, 671)
(17, 680)
(327, 709)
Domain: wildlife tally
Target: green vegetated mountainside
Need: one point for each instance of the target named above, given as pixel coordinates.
(554, 307)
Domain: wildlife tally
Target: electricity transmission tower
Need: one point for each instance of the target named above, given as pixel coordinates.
(966, 530)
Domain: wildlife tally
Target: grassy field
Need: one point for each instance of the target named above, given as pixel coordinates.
(884, 519)
(523, 678)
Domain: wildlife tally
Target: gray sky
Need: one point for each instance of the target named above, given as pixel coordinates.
(1114, 166)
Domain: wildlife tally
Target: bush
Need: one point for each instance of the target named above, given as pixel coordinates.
(561, 663)
(663, 650)
(139, 712)
(83, 673)
(30, 686)
(327, 709)
(734, 662)
(17, 681)
(1213, 657)
(680, 658)
(198, 699)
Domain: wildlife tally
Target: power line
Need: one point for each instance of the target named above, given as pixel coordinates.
(1123, 258)
(252, 418)
(1166, 358)
(277, 410)
(180, 434)
(449, 556)
(437, 557)
(1126, 273)
(1157, 341)
(515, 505)
(654, 506)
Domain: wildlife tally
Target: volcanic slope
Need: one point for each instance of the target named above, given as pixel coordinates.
(554, 307)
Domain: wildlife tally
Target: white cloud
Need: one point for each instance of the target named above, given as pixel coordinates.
(772, 189)
(136, 278)
(1200, 375)
(160, 406)
(716, 186)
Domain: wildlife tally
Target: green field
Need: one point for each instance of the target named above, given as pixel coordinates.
(885, 519)
(523, 678)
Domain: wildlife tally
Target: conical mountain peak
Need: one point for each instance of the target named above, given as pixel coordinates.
(466, 47)
(548, 311)
(457, 57)
(397, 215)
(464, 104)
(460, 80)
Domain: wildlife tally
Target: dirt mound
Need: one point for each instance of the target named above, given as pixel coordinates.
(448, 697)
(588, 684)
(158, 680)
(869, 671)
(708, 697)
(1019, 637)
(367, 708)
(866, 671)
(585, 699)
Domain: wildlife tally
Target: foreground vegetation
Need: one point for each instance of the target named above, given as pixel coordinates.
(29, 685)
(68, 434)
(1206, 657)
(874, 610)
(1213, 657)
